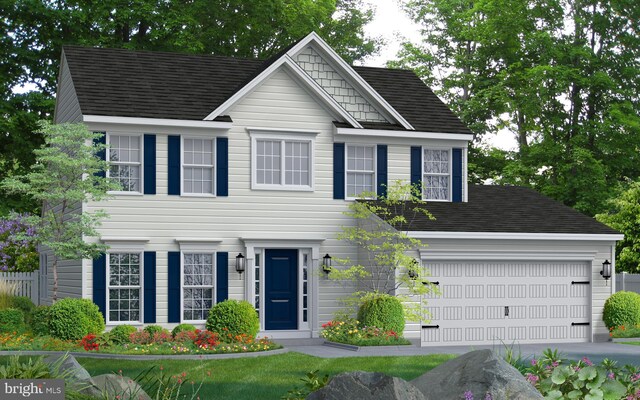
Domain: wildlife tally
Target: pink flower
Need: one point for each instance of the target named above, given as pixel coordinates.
(611, 375)
(534, 361)
(587, 361)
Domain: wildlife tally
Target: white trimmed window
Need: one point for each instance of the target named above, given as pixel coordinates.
(360, 170)
(124, 287)
(197, 285)
(125, 161)
(436, 174)
(282, 163)
(198, 169)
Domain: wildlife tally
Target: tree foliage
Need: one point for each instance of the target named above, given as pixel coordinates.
(66, 174)
(34, 31)
(624, 216)
(563, 77)
(386, 263)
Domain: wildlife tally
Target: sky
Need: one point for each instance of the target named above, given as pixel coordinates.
(394, 26)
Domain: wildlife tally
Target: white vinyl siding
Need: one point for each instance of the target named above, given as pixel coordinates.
(125, 161)
(198, 292)
(436, 174)
(124, 287)
(360, 170)
(198, 166)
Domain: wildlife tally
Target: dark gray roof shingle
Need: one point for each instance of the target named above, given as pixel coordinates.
(507, 209)
(126, 83)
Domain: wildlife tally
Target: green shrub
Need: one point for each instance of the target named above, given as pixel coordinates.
(25, 305)
(382, 311)
(121, 333)
(72, 319)
(40, 321)
(11, 320)
(153, 329)
(183, 328)
(622, 308)
(235, 318)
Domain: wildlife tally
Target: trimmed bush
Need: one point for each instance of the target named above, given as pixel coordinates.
(11, 320)
(382, 311)
(73, 319)
(183, 328)
(121, 333)
(40, 321)
(25, 305)
(233, 317)
(622, 308)
(153, 329)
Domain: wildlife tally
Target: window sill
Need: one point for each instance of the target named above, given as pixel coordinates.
(116, 323)
(283, 188)
(438, 200)
(121, 193)
(203, 195)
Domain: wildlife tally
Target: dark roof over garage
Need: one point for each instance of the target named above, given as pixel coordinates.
(124, 83)
(507, 209)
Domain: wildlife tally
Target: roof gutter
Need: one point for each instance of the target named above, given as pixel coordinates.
(402, 134)
(103, 119)
(516, 236)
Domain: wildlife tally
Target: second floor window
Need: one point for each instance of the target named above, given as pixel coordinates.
(360, 170)
(125, 161)
(282, 164)
(198, 166)
(436, 174)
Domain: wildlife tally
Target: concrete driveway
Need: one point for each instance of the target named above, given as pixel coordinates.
(624, 354)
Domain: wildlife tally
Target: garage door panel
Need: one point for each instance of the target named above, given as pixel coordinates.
(488, 302)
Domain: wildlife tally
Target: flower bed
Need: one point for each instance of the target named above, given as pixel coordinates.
(623, 331)
(196, 342)
(354, 333)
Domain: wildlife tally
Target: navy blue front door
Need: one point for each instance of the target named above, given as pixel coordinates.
(281, 289)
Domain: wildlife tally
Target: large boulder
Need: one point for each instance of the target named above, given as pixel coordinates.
(367, 385)
(116, 385)
(69, 366)
(479, 372)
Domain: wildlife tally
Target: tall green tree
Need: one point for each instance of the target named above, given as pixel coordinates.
(34, 31)
(66, 174)
(562, 76)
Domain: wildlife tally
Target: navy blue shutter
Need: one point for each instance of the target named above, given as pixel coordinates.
(222, 276)
(456, 175)
(149, 287)
(416, 166)
(100, 283)
(338, 170)
(149, 164)
(174, 165)
(222, 166)
(102, 154)
(173, 286)
(382, 170)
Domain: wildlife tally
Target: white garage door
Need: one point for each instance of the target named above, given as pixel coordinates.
(522, 302)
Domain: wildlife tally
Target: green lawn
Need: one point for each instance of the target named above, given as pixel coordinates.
(265, 377)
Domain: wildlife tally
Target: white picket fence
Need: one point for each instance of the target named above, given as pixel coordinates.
(27, 283)
(628, 282)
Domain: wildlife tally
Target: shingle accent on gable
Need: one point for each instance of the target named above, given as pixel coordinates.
(338, 87)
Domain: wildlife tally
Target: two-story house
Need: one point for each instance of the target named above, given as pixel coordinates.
(228, 162)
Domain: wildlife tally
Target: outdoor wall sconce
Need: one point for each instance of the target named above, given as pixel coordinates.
(606, 270)
(413, 273)
(326, 263)
(240, 263)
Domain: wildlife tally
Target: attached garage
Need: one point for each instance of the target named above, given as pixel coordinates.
(494, 302)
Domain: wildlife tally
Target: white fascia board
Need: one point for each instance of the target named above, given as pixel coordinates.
(515, 236)
(506, 255)
(403, 134)
(356, 78)
(163, 122)
(302, 77)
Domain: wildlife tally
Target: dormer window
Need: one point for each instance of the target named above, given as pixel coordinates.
(436, 174)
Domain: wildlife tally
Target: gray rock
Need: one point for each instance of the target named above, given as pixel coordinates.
(68, 366)
(480, 372)
(359, 385)
(116, 385)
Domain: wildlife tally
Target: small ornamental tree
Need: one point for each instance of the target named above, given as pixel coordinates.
(18, 251)
(68, 171)
(387, 252)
